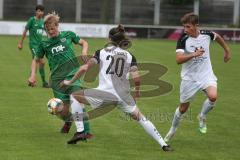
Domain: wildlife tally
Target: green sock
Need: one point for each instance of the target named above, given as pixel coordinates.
(42, 74)
(86, 122)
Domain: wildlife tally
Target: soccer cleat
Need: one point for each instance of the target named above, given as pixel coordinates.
(78, 136)
(202, 124)
(203, 130)
(167, 148)
(66, 127)
(45, 85)
(89, 135)
(169, 136)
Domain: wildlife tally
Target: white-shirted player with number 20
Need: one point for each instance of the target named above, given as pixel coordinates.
(116, 63)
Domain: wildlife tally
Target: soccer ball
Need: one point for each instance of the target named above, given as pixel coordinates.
(55, 106)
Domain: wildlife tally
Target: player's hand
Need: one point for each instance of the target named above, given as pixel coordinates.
(198, 52)
(20, 46)
(227, 56)
(32, 81)
(65, 83)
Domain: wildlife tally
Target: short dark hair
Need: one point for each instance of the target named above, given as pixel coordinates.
(39, 7)
(190, 18)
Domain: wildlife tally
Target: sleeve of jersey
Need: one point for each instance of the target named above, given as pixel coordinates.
(40, 52)
(181, 44)
(29, 23)
(75, 38)
(133, 65)
(96, 56)
(212, 35)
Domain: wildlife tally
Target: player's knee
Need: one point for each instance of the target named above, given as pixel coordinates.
(136, 115)
(78, 96)
(212, 98)
(183, 109)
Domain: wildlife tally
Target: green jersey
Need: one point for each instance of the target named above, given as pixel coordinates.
(60, 54)
(36, 28)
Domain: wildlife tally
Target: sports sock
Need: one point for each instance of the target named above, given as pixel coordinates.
(176, 120)
(86, 122)
(207, 106)
(77, 112)
(151, 130)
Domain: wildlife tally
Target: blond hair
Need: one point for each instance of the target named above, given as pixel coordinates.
(51, 19)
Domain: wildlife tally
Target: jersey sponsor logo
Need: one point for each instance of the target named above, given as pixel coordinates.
(63, 39)
(57, 49)
(39, 31)
(196, 48)
(199, 59)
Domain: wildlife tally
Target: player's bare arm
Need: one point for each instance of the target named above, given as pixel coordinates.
(20, 44)
(83, 69)
(182, 58)
(136, 78)
(84, 45)
(32, 80)
(223, 44)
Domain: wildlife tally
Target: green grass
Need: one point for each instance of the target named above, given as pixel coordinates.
(28, 132)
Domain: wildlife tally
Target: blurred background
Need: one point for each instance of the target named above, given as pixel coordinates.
(142, 18)
(139, 12)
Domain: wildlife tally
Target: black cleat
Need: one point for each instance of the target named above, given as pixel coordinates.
(167, 148)
(89, 135)
(66, 127)
(78, 136)
(45, 85)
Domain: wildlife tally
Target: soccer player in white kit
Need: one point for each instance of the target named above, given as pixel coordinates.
(197, 75)
(115, 65)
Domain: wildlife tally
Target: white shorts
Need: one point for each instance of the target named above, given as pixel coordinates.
(99, 98)
(188, 89)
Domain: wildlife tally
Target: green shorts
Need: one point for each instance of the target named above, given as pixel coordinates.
(64, 93)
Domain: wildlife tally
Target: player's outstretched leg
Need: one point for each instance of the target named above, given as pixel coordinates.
(176, 120)
(68, 123)
(207, 106)
(77, 115)
(150, 129)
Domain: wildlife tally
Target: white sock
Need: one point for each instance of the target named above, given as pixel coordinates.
(176, 120)
(77, 113)
(207, 106)
(151, 130)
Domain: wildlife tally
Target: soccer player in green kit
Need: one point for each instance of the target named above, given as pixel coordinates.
(35, 28)
(63, 64)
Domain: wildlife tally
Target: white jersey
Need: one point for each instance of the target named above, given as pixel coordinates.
(199, 68)
(115, 64)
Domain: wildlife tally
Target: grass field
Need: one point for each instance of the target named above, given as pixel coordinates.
(28, 132)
